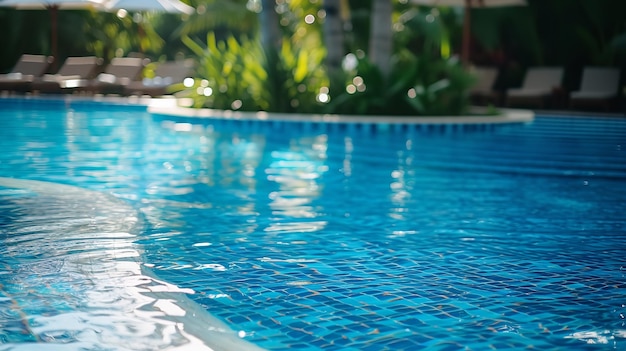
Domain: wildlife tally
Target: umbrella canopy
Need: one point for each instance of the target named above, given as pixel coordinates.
(467, 5)
(52, 6)
(48, 4)
(171, 6)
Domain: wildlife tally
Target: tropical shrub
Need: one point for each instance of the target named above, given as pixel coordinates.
(229, 74)
(440, 87)
(239, 74)
(418, 85)
(366, 91)
(296, 78)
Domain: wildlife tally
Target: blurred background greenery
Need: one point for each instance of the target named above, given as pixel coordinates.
(322, 55)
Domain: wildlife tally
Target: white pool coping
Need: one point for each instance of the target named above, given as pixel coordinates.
(506, 116)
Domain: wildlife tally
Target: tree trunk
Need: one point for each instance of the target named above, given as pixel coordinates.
(467, 35)
(270, 32)
(380, 44)
(333, 35)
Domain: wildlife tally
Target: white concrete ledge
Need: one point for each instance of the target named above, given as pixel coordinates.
(506, 116)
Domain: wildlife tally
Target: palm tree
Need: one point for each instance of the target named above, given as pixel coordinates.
(333, 35)
(380, 44)
(270, 32)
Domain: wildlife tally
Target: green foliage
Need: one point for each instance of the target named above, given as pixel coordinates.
(295, 78)
(418, 85)
(239, 16)
(229, 74)
(238, 74)
(19, 37)
(423, 80)
(107, 35)
(422, 32)
(79, 33)
(241, 75)
(619, 45)
(576, 33)
(441, 87)
(363, 92)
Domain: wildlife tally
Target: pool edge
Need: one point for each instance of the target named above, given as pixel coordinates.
(508, 116)
(199, 327)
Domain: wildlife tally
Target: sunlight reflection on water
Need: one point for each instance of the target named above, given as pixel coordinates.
(75, 281)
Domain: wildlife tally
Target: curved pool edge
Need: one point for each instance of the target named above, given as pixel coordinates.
(507, 116)
(148, 297)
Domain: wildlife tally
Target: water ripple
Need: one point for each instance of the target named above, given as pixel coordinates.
(74, 278)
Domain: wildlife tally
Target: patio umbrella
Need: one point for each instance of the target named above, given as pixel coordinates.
(467, 5)
(53, 6)
(171, 6)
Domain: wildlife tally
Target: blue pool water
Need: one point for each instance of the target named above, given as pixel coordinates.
(299, 237)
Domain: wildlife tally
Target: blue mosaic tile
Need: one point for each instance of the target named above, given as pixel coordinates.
(432, 238)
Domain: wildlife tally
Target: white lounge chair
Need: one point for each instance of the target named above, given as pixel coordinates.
(27, 68)
(599, 85)
(119, 73)
(483, 91)
(74, 70)
(165, 75)
(538, 86)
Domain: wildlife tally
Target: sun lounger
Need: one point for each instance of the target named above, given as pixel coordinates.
(119, 73)
(27, 68)
(165, 75)
(74, 71)
(599, 86)
(483, 91)
(538, 86)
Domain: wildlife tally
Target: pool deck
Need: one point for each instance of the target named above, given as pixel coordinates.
(478, 116)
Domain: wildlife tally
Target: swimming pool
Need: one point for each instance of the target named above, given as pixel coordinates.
(310, 238)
